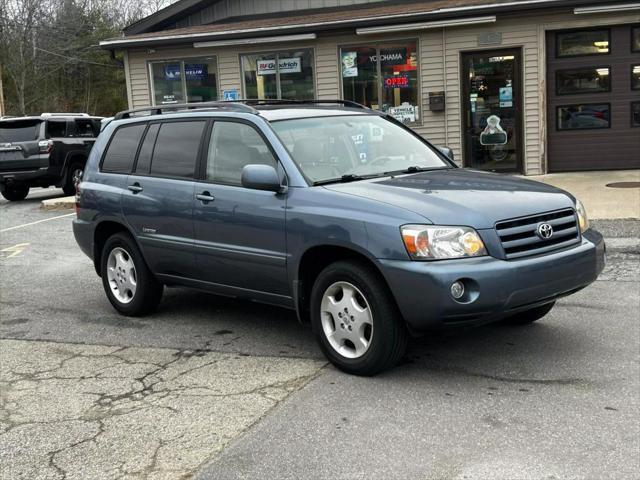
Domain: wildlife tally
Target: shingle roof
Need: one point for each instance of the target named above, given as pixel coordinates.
(331, 20)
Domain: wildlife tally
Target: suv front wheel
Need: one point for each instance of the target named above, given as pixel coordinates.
(129, 284)
(355, 319)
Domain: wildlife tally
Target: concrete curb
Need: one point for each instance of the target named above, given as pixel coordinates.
(64, 203)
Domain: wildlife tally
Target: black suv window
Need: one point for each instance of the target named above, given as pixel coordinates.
(56, 128)
(19, 130)
(86, 128)
(234, 145)
(122, 149)
(176, 150)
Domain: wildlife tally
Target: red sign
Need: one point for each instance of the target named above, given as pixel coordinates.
(398, 81)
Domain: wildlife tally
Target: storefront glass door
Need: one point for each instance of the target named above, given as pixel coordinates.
(492, 110)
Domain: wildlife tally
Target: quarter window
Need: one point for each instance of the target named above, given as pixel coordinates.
(56, 128)
(584, 117)
(585, 42)
(193, 80)
(122, 149)
(383, 77)
(279, 75)
(583, 80)
(176, 149)
(234, 145)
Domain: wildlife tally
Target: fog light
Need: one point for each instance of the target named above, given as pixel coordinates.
(457, 290)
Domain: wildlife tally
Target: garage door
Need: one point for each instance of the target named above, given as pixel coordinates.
(593, 99)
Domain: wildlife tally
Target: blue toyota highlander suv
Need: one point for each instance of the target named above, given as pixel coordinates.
(339, 212)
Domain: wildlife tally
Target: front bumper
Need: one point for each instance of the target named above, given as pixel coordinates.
(497, 288)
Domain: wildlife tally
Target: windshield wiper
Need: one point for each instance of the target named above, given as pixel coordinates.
(349, 177)
(415, 169)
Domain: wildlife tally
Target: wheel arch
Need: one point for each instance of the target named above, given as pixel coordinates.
(101, 234)
(313, 261)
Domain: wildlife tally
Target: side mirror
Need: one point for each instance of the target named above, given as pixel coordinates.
(261, 177)
(447, 152)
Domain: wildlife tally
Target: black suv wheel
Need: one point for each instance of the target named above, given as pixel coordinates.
(130, 286)
(355, 319)
(15, 193)
(74, 176)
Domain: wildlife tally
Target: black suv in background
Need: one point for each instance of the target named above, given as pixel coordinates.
(51, 149)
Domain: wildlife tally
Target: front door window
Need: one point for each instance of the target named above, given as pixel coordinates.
(492, 110)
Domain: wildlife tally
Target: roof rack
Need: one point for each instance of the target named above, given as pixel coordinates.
(62, 114)
(160, 109)
(346, 103)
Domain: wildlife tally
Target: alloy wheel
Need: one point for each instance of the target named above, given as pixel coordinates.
(347, 320)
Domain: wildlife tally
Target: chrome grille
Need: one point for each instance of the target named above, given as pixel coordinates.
(519, 236)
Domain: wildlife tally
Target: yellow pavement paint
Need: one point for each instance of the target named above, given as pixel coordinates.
(15, 250)
(35, 223)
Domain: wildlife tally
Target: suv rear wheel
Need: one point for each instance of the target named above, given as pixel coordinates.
(74, 176)
(129, 284)
(15, 193)
(355, 319)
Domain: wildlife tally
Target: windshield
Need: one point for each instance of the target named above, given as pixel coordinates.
(349, 147)
(19, 131)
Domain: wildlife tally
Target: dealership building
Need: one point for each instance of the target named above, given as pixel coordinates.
(513, 86)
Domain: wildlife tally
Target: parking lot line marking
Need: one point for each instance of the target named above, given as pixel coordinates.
(15, 250)
(36, 222)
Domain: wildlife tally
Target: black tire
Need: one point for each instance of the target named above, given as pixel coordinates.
(74, 174)
(529, 316)
(15, 193)
(148, 292)
(389, 336)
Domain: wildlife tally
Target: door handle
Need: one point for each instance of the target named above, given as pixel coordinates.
(135, 188)
(205, 197)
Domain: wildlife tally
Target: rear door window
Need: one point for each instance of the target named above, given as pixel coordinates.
(122, 149)
(19, 131)
(176, 150)
(146, 151)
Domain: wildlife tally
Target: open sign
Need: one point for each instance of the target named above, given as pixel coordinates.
(397, 81)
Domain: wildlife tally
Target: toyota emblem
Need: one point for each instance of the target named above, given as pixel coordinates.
(545, 231)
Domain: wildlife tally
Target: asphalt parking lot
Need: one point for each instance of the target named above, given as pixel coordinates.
(214, 388)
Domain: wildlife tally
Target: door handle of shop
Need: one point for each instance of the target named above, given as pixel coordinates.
(135, 188)
(205, 197)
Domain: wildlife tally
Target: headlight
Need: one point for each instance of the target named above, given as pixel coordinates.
(430, 242)
(583, 220)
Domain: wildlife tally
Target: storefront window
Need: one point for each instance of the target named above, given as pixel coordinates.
(585, 42)
(635, 77)
(281, 75)
(193, 80)
(383, 77)
(635, 114)
(583, 117)
(635, 39)
(583, 80)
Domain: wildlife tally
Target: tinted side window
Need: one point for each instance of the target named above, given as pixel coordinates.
(86, 128)
(122, 149)
(144, 157)
(234, 145)
(176, 150)
(56, 128)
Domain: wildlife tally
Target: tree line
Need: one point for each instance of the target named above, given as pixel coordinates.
(50, 60)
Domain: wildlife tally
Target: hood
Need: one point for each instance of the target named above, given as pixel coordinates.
(460, 196)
